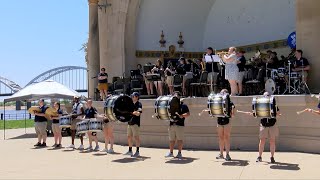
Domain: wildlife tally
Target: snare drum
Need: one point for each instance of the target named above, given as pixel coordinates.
(294, 75)
(65, 121)
(264, 107)
(95, 125)
(83, 126)
(218, 105)
(281, 72)
(166, 107)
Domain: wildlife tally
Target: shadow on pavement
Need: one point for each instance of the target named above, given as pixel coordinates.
(184, 160)
(25, 136)
(100, 154)
(55, 148)
(236, 162)
(131, 159)
(285, 166)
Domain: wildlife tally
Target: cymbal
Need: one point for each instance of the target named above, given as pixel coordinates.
(34, 109)
(51, 112)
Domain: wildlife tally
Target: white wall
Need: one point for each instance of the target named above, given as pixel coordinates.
(242, 22)
(172, 16)
(217, 23)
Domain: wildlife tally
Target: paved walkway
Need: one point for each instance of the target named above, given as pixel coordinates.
(19, 160)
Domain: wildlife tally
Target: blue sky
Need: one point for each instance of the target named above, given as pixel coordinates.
(38, 35)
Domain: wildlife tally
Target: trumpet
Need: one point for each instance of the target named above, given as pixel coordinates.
(222, 53)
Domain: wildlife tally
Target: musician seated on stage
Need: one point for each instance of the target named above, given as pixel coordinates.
(40, 124)
(301, 64)
(176, 129)
(91, 112)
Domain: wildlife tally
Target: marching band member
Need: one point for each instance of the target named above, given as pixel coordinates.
(232, 70)
(77, 113)
(176, 129)
(40, 124)
(91, 112)
(224, 130)
(133, 130)
(56, 126)
(268, 129)
(108, 135)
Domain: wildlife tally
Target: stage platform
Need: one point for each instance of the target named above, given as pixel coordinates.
(298, 133)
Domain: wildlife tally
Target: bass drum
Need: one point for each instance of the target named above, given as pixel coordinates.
(218, 105)
(119, 108)
(166, 107)
(264, 107)
(270, 86)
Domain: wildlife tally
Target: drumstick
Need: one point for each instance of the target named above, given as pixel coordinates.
(205, 110)
(300, 112)
(244, 112)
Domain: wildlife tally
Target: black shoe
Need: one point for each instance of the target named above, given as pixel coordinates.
(43, 145)
(37, 145)
(259, 159)
(272, 160)
(58, 146)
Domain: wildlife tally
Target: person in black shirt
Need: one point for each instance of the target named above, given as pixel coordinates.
(176, 129)
(40, 124)
(90, 113)
(133, 129)
(241, 65)
(268, 129)
(301, 65)
(56, 126)
(103, 83)
(212, 69)
(158, 69)
(224, 130)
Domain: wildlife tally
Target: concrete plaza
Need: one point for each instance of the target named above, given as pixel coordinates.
(20, 160)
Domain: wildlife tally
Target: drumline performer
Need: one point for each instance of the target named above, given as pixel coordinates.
(268, 129)
(133, 129)
(40, 124)
(108, 134)
(224, 130)
(56, 129)
(176, 128)
(77, 113)
(89, 113)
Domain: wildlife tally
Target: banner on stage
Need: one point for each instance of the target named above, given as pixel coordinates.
(292, 40)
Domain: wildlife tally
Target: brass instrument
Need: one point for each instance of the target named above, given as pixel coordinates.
(261, 55)
(222, 53)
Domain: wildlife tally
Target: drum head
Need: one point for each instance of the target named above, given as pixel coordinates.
(123, 108)
(174, 106)
(270, 86)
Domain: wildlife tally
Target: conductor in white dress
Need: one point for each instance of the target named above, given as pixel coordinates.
(231, 69)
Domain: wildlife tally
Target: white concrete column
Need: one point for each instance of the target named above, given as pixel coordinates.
(308, 37)
(103, 15)
(93, 47)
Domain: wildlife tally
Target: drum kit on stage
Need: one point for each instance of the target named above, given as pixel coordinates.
(284, 81)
